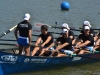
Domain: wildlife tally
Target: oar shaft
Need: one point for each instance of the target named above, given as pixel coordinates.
(8, 31)
(11, 40)
(35, 30)
(7, 40)
(55, 33)
(92, 28)
(59, 27)
(8, 44)
(8, 49)
(72, 28)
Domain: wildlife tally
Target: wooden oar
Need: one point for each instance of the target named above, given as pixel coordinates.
(9, 30)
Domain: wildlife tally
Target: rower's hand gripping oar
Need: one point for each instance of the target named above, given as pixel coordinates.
(9, 30)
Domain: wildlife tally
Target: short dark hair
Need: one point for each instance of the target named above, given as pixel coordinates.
(44, 27)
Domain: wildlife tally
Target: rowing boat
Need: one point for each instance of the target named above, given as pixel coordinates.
(13, 63)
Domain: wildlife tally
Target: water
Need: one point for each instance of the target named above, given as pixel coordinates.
(49, 12)
(85, 69)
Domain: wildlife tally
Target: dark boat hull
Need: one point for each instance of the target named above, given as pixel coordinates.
(13, 63)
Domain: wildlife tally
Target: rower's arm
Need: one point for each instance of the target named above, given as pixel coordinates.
(53, 44)
(38, 41)
(71, 34)
(48, 39)
(96, 38)
(15, 32)
(62, 46)
(78, 41)
(84, 44)
(30, 35)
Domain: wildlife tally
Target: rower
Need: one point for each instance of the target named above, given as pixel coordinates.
(97, 39)
(66, 44)
(25, 34)
(47, 39)
(97, 36)
(70, 33)
(86, 41)
(87, 23)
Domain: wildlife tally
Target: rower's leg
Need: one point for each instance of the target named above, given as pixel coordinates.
(84, 51)
(20, 49)
(27, 50)
(96, 47)
(35, 50)
(81, 52)
(76, 51)
(61, 55)
(42, 52)
(53, 52)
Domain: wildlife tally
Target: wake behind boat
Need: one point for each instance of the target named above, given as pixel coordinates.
(14, 63)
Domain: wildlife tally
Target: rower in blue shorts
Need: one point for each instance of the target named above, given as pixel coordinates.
(25, 34)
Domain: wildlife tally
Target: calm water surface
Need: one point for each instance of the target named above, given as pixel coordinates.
(49, 12)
